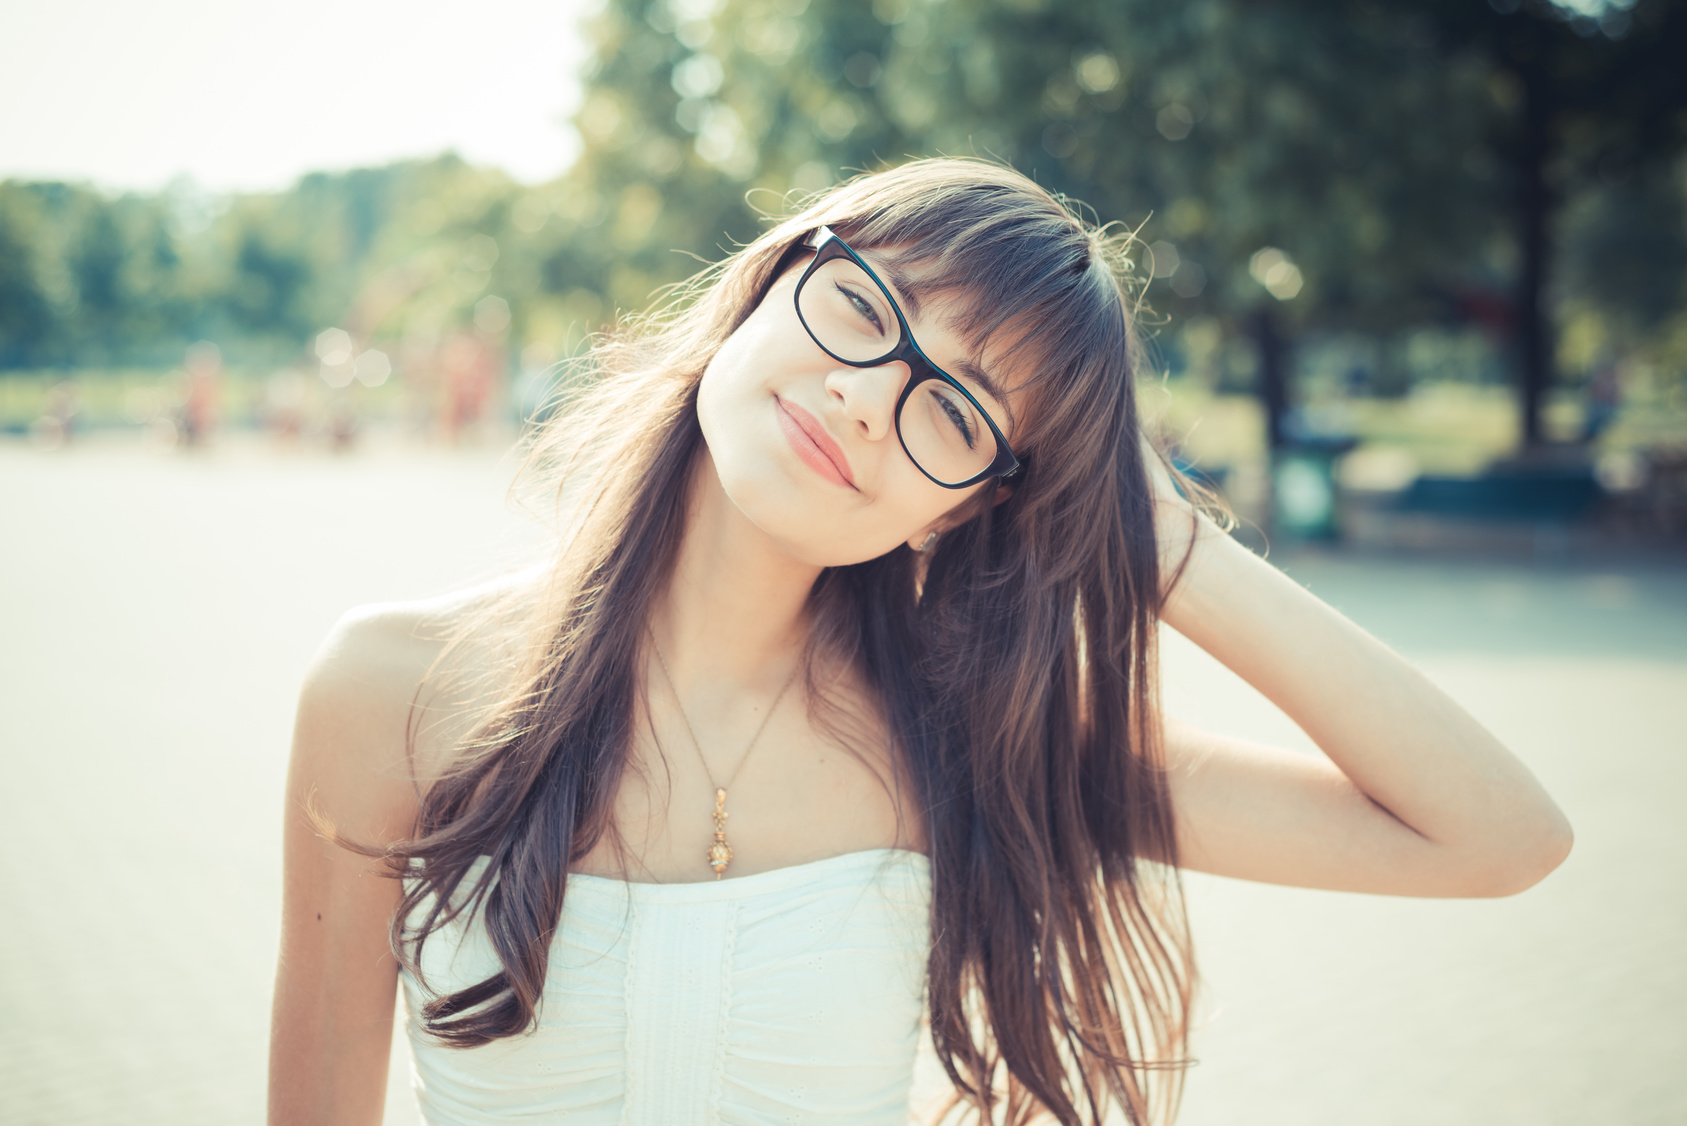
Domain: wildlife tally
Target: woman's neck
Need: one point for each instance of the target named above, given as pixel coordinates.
(735, 612)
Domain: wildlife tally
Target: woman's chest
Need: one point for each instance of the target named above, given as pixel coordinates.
(792, 995)
(798, 796)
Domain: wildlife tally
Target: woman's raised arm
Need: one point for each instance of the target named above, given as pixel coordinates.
(1415, 797)
(331, 1026)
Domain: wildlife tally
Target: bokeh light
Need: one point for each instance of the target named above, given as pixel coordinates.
(372, 368)
(1276, 271)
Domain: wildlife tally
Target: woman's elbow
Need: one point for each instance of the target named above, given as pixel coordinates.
(1530, 855)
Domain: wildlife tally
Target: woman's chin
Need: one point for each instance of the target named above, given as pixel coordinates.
(808, 531)
(812, 520)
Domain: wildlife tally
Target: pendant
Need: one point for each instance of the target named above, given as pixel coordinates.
(720, 853)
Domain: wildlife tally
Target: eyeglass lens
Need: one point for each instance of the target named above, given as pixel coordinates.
(850, 316)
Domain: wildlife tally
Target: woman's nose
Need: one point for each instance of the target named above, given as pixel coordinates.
(868, 396)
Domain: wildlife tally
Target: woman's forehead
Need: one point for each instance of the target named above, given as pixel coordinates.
(1037, 307)
(944, 314)
(959, 335)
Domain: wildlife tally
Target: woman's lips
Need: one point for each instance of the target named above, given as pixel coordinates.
(811, 442)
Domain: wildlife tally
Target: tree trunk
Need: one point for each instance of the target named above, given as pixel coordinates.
(1534, 205)
(1273, 385)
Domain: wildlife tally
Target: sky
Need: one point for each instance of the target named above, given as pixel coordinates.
(244, 96)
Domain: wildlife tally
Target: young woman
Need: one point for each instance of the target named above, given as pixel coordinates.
(835, 712)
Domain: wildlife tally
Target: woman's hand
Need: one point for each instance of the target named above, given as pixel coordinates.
(1180, 528)
(1413, 796)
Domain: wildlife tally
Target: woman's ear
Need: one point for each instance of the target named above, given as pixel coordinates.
(926, 538)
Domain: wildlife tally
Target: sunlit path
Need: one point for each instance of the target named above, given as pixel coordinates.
(156, 613)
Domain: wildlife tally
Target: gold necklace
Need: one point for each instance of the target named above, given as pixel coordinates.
(720, 853)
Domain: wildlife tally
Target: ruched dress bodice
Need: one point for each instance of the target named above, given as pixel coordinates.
(788, 996)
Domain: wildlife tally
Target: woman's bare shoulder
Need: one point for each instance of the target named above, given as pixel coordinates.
(396, 686)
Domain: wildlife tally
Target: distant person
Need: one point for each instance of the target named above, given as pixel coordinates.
(341, 425)
(58, 423)
(201, 394)
(1604, 398)
(835, 710)
(469, 366)
(285, 401)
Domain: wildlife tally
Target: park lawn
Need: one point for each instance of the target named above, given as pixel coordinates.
(1444, 428)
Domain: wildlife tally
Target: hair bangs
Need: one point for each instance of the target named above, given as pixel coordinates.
(1035, 294)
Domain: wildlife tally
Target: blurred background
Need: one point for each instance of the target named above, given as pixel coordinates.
(280, 288)
(1431, 251)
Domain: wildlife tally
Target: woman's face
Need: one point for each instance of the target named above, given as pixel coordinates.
(806, 447)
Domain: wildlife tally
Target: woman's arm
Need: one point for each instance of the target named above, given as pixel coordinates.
(1414, 798)
(331, 1026)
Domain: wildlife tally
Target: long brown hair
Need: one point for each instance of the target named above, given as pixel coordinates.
(1014, 667)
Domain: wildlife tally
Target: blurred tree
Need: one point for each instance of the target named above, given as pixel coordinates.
(89, 279)
(1596, 91)
(1357, 166)
(1286, 165)
(85, 278)
(24, 312)
(700, 115)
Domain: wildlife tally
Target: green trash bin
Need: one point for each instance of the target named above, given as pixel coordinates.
(1304, 499)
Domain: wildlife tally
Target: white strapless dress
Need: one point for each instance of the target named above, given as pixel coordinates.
(789, 996)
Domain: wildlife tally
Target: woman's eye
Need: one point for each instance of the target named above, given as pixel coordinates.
(863, 308)
(956, 416)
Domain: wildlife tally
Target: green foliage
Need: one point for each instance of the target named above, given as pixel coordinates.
(1374, 146)
(87, 279)
(1351, 165)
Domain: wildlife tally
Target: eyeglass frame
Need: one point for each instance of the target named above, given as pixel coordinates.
(827, 245)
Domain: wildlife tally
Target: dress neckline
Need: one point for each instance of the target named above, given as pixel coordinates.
(771, 881)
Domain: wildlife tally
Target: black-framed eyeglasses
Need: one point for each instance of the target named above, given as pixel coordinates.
(849, 312)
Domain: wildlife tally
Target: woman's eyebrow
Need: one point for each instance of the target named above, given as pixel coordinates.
(905, 292)
(975, 374)
(905, 289)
